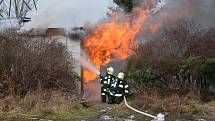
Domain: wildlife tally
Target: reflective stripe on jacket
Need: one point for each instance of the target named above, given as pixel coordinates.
(107, 80)
(119, 88)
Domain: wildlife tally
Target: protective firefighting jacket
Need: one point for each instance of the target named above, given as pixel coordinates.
(106, 80)
(119, 88)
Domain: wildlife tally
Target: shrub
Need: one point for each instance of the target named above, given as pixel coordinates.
(181, 59)
(28, 63)
(147, 77)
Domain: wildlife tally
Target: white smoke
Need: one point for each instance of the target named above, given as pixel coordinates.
(160, 4)
(200, 11)
(85, 62)
(68, 13)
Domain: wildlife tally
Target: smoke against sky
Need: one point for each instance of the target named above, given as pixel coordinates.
(68, 13)
(201, 11)
(74, 13)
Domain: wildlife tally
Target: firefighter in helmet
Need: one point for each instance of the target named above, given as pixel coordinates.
(119, 89)
(106, 81)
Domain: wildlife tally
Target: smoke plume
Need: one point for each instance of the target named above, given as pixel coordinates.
(68, 13)
(197, 10)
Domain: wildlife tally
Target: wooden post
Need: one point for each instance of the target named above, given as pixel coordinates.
(82, 70)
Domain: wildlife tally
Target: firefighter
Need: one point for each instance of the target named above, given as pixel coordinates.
(119, 89)
(106, 81)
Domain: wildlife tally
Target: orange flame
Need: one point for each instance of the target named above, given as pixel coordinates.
(112, 42)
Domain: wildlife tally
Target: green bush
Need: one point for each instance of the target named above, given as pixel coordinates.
(193, 73)
(147, 77)
(198, 70)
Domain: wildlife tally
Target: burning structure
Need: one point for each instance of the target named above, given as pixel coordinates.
(115, 40)
(111, 42)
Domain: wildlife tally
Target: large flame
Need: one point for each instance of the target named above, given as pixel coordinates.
(112, 42)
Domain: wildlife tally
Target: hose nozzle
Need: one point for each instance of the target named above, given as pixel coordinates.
(160, 117)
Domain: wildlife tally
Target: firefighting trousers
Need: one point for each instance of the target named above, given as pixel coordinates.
(118, 100)
(111, 99)
(104, 94)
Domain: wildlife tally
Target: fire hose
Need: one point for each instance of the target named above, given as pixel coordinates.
(159, 117)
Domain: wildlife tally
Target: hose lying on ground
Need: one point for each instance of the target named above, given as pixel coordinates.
(160, 117)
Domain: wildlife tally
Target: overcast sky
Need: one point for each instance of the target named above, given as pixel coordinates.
(68, 13)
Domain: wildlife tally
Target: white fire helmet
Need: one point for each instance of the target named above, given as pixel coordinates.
(110, 70)
(121, 75)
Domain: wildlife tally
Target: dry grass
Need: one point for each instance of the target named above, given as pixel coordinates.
(119, 111)
(53, 100)
(63, 106)
(174, 106)
(50, 104)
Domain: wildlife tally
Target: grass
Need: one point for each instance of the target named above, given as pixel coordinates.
(189, 108)
(78, 114)
(119, 111)
(69, 108)
(175, 107)
(56, 105)
(63, 111)
(50, 114)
